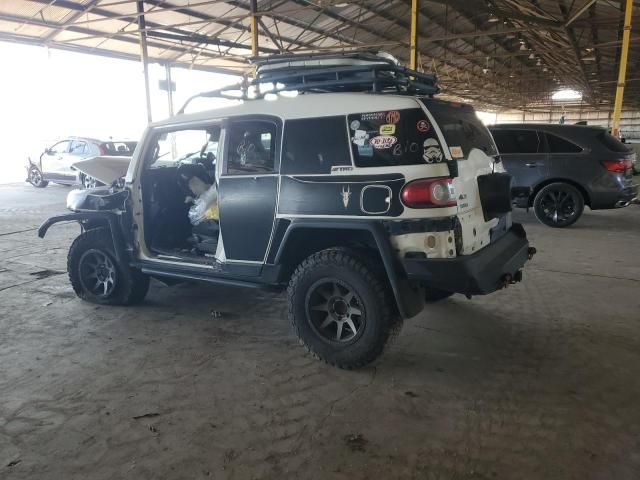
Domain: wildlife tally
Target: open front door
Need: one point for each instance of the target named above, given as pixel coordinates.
(248, 187)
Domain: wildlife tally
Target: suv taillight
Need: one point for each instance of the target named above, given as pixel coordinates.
(429, 193)
(617, 166)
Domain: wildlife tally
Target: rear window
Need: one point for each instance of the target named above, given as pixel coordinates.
(315, 145)
(395, 137)
(612, 143)
(119, 148)
(462, 129)
(518, 141)
(560, 145)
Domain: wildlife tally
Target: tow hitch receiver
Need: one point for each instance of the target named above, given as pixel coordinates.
(508, 279)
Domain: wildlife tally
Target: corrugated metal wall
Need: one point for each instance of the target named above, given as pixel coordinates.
(629, 124)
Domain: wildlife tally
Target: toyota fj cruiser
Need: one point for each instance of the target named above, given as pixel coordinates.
(359, 193)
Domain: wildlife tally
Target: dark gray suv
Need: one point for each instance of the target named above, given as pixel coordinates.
(558, 169)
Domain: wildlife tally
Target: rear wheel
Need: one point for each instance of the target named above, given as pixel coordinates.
(341, 308)
(558, 205)
(35, 178)
(96, 276)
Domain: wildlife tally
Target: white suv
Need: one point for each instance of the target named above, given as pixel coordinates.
(363, 205)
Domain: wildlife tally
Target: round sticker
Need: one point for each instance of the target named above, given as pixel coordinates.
(393, 117)
(355, 125)
(423, 126)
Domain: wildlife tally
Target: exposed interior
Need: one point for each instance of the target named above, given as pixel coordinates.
(179, 194)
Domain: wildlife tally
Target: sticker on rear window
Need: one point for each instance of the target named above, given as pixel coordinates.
(393, 117)
(423, 126)
(383, 141)
(360, 137)
(456, 152)
(372, 116)
(355, 125)
(431, 152)
(387, 129)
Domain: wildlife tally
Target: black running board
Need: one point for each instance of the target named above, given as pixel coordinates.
(184, 274)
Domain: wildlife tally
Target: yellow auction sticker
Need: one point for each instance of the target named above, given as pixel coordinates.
(387, 129)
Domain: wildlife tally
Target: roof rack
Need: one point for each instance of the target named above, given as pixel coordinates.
(329, 72)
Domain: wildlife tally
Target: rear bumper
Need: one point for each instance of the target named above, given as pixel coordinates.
(629, 194)
(484, 272)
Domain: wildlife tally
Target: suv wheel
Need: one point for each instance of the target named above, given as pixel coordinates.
(558, 205)
(97, 277)
(35, 178)
(341, 308)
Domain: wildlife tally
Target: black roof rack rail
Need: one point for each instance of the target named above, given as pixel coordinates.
(354, 72)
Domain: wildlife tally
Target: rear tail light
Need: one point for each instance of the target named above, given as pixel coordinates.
(429, 193)
(617, 166)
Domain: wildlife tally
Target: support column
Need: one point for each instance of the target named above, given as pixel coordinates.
(622, 74)
(144, 57)
(167, 69)
(254, 28)
(413, 54)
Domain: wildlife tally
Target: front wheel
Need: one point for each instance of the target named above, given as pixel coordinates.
(97, 277)
(558, 205)
(35, 177)
(341, 308)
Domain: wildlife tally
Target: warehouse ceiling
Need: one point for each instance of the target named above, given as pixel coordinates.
(495, 53)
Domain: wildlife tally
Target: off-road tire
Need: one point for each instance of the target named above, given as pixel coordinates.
(130, 286)
(382, 322)
(556, 188)
(35, 178)
(432, 295)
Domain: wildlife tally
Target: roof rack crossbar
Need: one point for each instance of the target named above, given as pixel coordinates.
(381, 77)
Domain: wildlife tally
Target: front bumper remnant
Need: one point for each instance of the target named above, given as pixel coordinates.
(492, 268)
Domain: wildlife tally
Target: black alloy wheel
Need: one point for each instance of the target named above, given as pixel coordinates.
(558, 205)
(335, 311)
(98, 273)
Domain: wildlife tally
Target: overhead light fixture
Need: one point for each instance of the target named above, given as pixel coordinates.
(523, 46)
(562, 95)
(589, 58)
(539, 62)
(545, 69)
(492, 18)
(531, 56)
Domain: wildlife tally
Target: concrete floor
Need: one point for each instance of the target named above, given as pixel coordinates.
(536, 382)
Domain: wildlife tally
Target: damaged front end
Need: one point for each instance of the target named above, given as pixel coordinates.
(97, 199)
(104, 206)
(112, 196)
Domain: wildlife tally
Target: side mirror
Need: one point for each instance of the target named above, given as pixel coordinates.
(48, 151)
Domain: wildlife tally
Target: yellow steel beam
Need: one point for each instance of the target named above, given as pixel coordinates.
(413, 54)
(254, 28)
(622, 74)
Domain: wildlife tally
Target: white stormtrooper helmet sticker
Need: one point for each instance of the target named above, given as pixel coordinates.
(431, 152)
